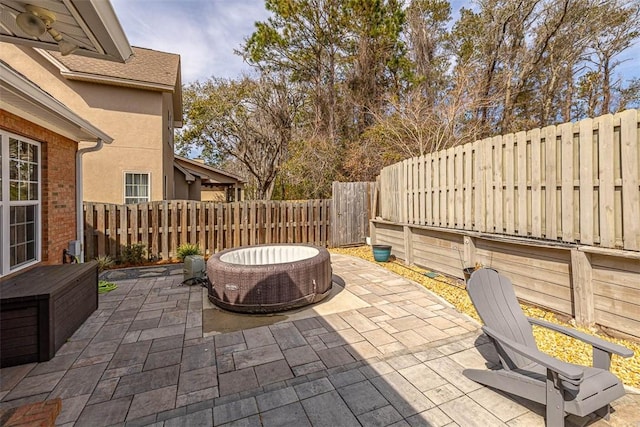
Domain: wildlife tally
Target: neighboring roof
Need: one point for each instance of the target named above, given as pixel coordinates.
(146, 66)
(22, 97)
(208, 174)
(91, 25)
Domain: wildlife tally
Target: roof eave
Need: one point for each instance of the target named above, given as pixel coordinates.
(101, 19)
(116, 81)
(189, 162)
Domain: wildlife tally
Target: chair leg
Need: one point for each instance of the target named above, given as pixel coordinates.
(604, 412)
(555, 403)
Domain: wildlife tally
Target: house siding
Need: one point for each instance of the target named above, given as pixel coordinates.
(136, 119)
(167, 147)
(58, 196)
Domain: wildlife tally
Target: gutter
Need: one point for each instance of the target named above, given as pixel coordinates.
(79, 201)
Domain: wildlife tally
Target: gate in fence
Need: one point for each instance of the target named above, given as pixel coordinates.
(351, 212)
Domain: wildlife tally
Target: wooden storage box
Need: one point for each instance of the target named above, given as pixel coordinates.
(42, 307)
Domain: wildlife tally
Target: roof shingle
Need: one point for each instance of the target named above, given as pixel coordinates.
(145, 66)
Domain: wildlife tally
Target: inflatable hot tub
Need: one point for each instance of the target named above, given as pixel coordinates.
(269, 278)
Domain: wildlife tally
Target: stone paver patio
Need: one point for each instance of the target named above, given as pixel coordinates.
(143, 359)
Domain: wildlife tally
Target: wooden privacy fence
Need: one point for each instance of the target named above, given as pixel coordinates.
(557, 210)
(574, 183)
(163, 226)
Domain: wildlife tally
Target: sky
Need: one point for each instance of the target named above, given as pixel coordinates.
(206, 32)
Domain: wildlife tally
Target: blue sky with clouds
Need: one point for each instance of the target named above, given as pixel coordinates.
(206, 32)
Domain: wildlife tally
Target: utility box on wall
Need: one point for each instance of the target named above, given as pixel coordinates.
(74, 248)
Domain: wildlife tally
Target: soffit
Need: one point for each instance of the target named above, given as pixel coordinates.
(92, 25)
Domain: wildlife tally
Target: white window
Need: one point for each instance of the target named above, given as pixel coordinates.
(136, 187)
(20, 202)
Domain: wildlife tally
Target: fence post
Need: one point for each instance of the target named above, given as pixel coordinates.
(372, 232)
(582, 288)
(408, 244)
(469, 256)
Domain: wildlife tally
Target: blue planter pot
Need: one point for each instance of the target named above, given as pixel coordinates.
(381, 253)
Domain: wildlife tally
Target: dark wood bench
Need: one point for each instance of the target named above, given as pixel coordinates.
(42, 307)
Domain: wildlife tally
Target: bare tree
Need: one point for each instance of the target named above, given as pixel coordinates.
(619, 26)
(249, 120)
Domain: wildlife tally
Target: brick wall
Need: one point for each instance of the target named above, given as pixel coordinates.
(58, 184)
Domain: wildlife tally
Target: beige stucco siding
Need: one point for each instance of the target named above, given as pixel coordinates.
(213, 195)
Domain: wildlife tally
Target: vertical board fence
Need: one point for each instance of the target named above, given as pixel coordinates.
(163, 226)
(555, 209)
(572, 183)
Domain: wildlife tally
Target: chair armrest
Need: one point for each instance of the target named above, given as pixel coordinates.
(607, 346)
(564, 369)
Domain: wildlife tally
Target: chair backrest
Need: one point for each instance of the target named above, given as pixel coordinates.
(495, 301)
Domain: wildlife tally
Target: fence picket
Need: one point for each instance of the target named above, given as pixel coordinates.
(164, 253)
(630, 155)
(522, 223)
(479, 189)
(428, 185)
(567, 171)
(123, 231)
(458, 189)
(586, 182)
(606, 188)
(498, 198)
(536, 183)
(155, 231)
(89, 231)
(551, 183)
(468, 186)
(202, 225)
(112, 232)
(134, 220)
(442, 188)
(487, 156)
(450, 192)
(175, 223)
(422, 196)
(144, 224)
(509, 188)
(101, 228)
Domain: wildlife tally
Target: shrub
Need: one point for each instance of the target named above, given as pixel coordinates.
(133, 254)
(187, 249)
(104, 262)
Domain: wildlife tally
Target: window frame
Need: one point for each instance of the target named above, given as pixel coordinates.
(6, 204)
(124, 189)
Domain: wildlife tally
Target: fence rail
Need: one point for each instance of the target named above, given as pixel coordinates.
(163, 226)
(575, 183)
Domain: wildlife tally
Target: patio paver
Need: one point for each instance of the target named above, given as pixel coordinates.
(393, 357)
